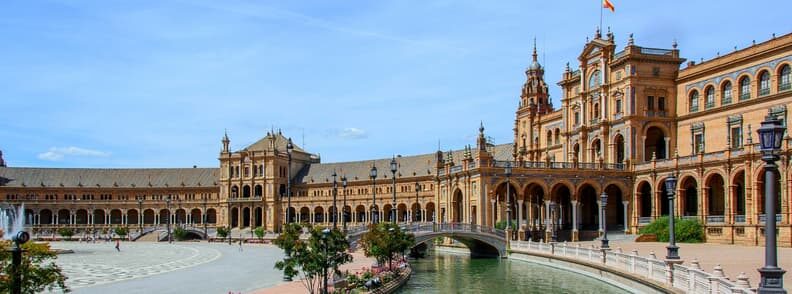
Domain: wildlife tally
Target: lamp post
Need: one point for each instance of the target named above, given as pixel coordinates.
(417, 206)
(508, 171)
(394, 167)
(326, 262)
(771, 135)
(289, 148)
(343, 207)
(335, 208)
(167, 204)
(140, 214)
(672, 249)
(604, 201)
(373, 176)
(16, 260)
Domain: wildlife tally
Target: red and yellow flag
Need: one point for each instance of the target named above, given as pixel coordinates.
(607, 4)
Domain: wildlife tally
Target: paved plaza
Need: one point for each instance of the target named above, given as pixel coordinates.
(142, 267)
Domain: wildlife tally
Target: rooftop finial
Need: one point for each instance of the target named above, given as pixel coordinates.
(481, 127)
(597, 34)
(630, 40)
(674, 44)
(534, 50)
(2, 161)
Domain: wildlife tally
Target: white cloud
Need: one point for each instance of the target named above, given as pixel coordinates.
(353, 134)
(58, 153)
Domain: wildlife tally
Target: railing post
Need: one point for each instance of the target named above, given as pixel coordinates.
(632, 264)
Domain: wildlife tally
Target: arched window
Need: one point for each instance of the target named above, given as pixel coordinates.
(745, 88)
(661, 104)
(594, 80)
(693, 101)
(726, 93)
(549, 138)
(710, 97)
(764, 83)
(785, 78)
(557, 136)
(596, 110)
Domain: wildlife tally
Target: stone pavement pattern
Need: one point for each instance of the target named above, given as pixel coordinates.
(733, 258)
(143, 267)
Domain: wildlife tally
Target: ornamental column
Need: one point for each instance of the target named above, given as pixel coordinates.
(493, 212)
(574, 220)
(625, 205)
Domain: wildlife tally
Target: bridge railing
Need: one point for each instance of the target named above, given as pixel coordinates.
(690, 279)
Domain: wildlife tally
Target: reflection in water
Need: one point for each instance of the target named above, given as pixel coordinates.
(449, 273)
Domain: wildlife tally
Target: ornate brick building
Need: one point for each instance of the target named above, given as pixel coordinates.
(629, 118)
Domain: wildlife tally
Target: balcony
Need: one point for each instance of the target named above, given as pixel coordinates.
(764, 91)
(763, 218)
(656, 51)
(559, 165)
(716, 219)
(740, 218)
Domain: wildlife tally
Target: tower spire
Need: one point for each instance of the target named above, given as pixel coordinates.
(534, 51)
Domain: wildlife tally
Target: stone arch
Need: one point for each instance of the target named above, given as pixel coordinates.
(181, 216)
(643, 204)
(536, 187)
(319, 214)
(148, 216)
(234, 191)
(211, 216)
(116, 217)
(738, 198)
(45, 217)
(416, 211)
(760, 209)
(346, 214)
(457, 206)
(596, 149)
(688, 185)
(234, 217)
(614, 209)
(590, 182)
(360, 213)
(195, 216)
(133, 217)
(401, 214)
(258, 217)
(387, 208)
(64, 216)
(99, 216)
(715, 186)
(258, 191)
(562, 216)
(589, 208)
(81, 217)
(305, 214)
(501, 210)
(655, 142)
(619, 148)
(245, 217)
(431, 215)
(246, 191)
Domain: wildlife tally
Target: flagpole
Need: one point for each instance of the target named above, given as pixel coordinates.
(601, 7)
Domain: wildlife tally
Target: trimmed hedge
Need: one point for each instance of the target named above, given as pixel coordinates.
(686, 230)
(501, 225)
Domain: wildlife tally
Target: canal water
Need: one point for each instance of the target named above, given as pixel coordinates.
(457, 273)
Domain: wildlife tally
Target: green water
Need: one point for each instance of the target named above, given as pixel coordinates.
(453, 273)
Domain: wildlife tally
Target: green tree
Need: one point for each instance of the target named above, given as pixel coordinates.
(180, 234)
(121, 231)
(686, 230)
(384, 241)
(39, 272)
(259, 232)
(501, 225)
(222, 232)
(310, 257)
(66, 233)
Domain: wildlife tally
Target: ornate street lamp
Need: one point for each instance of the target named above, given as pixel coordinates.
(394, 167)
(771, 135)
(289, 148)
(604, 201)
(343, 207)
(335, 207)
(508, 170)
(417, 206)
(672, 249)
(373, 176)
(325, 234)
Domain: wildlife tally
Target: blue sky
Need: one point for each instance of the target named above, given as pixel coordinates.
(121, 84)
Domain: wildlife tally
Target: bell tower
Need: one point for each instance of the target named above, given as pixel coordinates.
(534, 103)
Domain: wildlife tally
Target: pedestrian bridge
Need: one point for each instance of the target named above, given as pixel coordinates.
(481, 240)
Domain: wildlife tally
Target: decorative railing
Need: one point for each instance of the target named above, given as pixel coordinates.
(656, 51)
(785, 86)
(763, 218)
(644, 220)
(558, 165)
(619, 54)
(726, 100)
(716, 219)
(689, 279)
(745, 96)
(764, 91)
(455, 169)
(740, 218)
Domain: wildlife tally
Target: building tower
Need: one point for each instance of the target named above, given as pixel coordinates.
(534, 103)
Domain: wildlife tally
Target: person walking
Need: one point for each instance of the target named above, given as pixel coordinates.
(118, 245)
(240, 244)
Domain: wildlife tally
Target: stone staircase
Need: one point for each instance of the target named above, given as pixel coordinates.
(150, 237)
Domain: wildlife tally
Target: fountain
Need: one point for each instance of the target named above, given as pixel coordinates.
(12, 220)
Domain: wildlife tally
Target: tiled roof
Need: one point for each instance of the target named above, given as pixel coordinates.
(420, 165)
(105, 178)
(280, 143)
